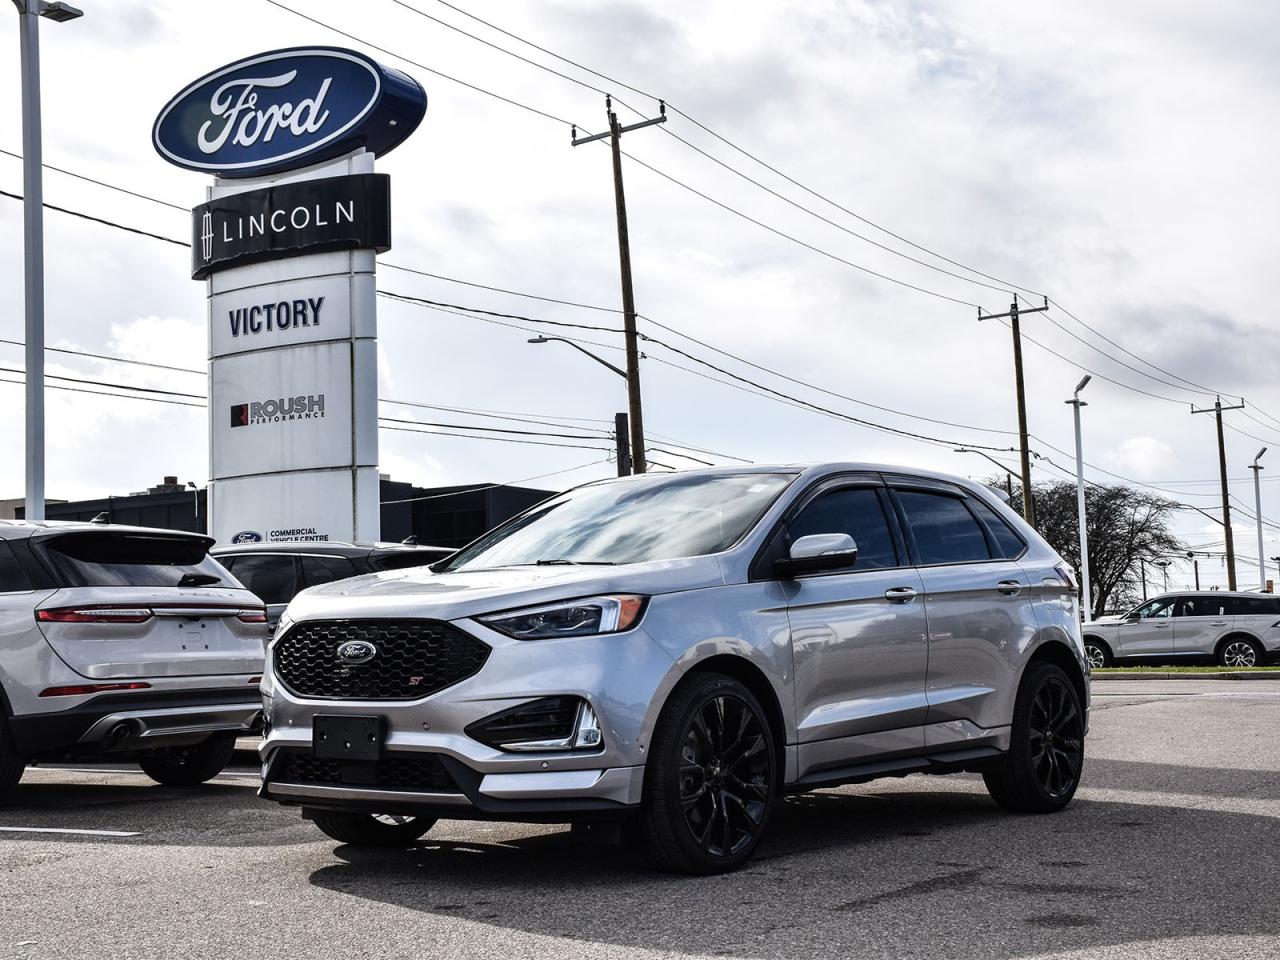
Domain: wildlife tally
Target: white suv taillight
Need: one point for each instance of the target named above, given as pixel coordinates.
(105, 613)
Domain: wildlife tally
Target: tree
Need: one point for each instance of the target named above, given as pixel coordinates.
(1125, 526)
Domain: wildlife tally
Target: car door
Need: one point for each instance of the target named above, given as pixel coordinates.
(1198, 622)
(271, 577)
(858, 634)
(978, 602)
(1147, 631)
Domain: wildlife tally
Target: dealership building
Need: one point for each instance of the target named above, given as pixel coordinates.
(437, 516)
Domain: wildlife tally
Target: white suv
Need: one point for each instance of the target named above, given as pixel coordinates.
(123, 642)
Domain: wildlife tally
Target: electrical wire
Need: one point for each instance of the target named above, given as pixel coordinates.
(495, 486)
(103, 221)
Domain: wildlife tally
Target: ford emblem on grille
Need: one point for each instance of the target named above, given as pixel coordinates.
(356, 651)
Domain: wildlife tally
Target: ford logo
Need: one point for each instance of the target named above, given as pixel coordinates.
(286, 109)
(356, 651)
(247, 536)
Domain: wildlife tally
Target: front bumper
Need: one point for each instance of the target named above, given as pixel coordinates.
(133, 723)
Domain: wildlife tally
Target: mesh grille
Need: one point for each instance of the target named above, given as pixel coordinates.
(414, 658)
(422, 773)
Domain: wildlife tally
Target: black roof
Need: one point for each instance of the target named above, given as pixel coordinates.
(330, 548)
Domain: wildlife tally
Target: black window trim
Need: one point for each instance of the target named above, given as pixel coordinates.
(894, 483)
(761, 567)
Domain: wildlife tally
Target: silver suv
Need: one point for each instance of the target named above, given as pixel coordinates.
(680, 651)
(1235, 629)
(125, 643)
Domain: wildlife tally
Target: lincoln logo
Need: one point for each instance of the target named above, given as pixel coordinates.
(356, 652)
(206, 235)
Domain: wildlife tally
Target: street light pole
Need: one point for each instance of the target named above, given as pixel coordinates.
(29, 12)
(1086, 592)
(626, 463)
(1196, 563)
(1257, 512)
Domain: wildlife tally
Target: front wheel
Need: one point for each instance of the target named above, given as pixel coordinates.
(1042, 769)
(189, 766)
(712, 781)
(373, 829)
(1240, 652)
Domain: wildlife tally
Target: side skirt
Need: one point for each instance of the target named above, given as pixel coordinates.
(942, 761)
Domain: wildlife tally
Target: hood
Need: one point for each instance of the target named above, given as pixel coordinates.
(417, 592)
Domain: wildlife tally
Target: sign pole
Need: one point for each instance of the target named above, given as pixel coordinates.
(33, 269)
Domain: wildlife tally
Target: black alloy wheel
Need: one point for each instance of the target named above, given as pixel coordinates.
(384, 830)
(1042, 769)
(712, 779)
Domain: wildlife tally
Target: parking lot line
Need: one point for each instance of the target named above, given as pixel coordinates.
(84, 833)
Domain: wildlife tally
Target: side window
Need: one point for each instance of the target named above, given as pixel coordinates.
(318, 570)
(944, 529)
(13, 579)
(1248, 606)
(1156, 609)
(269, 577)
(1008, 542)
(857, 512)
(1201, 607)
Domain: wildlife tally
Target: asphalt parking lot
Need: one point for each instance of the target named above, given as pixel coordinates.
(1171, 850)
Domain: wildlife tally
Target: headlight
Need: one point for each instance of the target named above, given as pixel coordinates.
(572, 618)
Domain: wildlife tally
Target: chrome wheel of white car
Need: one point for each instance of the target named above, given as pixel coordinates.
(1240, 653)
(1097, 655)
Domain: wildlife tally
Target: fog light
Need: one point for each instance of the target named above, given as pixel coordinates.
(540, 726)
(588, 730)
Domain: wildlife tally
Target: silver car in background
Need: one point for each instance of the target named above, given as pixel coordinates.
(1234, 629)
(678, 652)
(123, 643)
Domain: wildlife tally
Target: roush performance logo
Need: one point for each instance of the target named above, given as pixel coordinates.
(277, 411)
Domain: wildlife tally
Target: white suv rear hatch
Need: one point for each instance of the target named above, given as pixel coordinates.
(133, 605)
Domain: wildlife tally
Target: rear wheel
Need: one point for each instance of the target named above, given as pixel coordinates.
(188, 766)
(1042, 769)
(373, 829)
(1097, 653)
(712, 781)
(1240, 652)
(11, 765)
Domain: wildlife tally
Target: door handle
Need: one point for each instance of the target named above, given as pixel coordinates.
(1218, 623)
(1160, 625)
(900, 594)
(1010, 588)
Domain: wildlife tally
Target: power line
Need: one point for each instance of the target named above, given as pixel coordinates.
(102, 183)
(495, 486)
(104, 222)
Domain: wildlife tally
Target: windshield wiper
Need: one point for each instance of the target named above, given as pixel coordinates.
(559, 562)
(198, 580)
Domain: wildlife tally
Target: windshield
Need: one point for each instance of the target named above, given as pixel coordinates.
(654, 518)
(110, 559)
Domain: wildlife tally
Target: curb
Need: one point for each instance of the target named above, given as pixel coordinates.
(1155, 675)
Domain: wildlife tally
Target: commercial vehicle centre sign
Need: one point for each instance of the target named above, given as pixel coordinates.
(286, 244)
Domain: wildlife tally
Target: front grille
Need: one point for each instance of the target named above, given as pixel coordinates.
(414, 658)
(417, 773)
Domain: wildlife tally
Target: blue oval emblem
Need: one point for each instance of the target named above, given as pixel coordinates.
(286, 109)
(356, 651)
(247, 536)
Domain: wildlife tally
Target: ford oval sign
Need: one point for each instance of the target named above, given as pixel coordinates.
(286, 109)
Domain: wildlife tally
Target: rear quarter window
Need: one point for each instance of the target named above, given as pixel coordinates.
(13, 579)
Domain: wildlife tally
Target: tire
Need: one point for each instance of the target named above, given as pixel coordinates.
(372, 829)
(11, 765)
(1241, 653)
(1097, 653)
(1042, 769)
(712, 778)
(189, 766)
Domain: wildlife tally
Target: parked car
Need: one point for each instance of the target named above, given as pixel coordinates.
(679, 651)
(1235, 629)
(276, 572)
(127, 643)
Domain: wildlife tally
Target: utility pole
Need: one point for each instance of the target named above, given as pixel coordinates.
(620, 434)
(1142, 571)
(1257, 510)
(1028, 507)
(29, 14)
(1216, 410)
(1196, 563)
(1086, 592)
(614, 134)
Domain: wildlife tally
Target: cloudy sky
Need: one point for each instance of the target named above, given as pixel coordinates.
(1120, 158)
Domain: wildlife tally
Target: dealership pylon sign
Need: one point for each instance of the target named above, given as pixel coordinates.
(286, 245)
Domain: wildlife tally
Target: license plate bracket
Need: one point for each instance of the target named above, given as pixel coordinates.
(347, 737)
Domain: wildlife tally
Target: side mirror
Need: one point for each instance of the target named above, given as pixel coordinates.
(1131, 618)
(819, 551)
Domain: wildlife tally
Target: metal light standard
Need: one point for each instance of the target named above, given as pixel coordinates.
(1257, 512)
(626, 462)
(1195, 563)
(1164, 570)
(1086, 592)
(29, 12)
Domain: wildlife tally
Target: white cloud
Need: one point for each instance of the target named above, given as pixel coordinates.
(1143, 458)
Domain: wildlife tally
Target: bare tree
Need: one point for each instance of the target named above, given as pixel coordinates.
(1125, 526)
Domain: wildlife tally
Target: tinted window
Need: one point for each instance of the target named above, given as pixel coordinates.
(318, 570)
(857, 512)
(1249, 606)
(944, 529)
(1201, 607)
(1156, 609)
(409, 558)
(270, 578)
(1008, 543)
(12, 577)
(110, 559)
